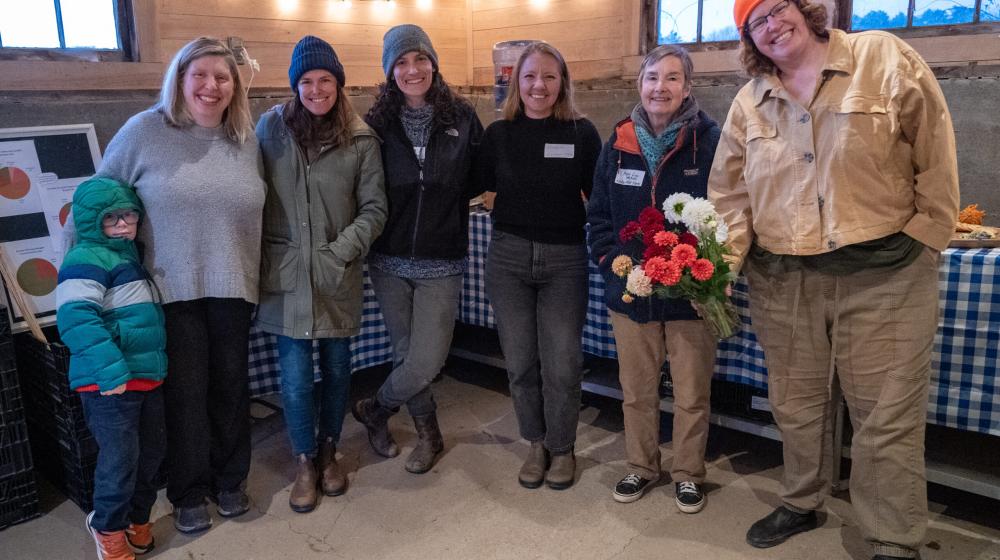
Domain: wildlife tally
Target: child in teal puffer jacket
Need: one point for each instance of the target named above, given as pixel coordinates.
(110, 319)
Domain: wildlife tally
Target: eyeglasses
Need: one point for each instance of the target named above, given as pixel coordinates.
(110, 219)
(759, 23)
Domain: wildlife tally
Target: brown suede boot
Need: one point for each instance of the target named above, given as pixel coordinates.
(303, 496)
(562, 471)
(532, 472)
(429, 444)
(375, 418)
(332, 479)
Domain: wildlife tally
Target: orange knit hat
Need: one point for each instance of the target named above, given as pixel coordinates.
(741, 12)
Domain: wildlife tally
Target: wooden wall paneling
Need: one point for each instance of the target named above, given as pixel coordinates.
(631, 27)
(554, 12)
(442, 14)
(147, 29)
(77, 75)
(187, 27)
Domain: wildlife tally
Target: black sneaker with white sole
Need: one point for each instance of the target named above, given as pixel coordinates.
(689, 497)
(630, 488)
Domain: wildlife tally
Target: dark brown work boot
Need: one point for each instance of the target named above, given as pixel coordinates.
(375, 418)
(332, 479)
(562, 471)
(429, 444)
(532, 472)
(303, 496)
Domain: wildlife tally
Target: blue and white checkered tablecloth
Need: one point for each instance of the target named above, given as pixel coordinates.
(964, 392)
(965, 364)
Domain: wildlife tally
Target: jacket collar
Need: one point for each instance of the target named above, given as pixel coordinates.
(839, 58)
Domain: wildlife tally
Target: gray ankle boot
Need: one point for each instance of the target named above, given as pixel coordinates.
(562, 471)
(429, 444)
(533, 470)
(375, 418)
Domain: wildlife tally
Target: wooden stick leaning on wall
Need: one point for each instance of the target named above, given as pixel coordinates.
(16, 294)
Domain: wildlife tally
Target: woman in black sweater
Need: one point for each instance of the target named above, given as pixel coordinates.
(540, 160)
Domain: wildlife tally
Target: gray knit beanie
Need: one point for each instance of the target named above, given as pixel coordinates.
(402, 39)
(313, 53)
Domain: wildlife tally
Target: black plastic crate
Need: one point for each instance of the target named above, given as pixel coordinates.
(738, 399)
(18, 499)
(64, 449)
(15, 451)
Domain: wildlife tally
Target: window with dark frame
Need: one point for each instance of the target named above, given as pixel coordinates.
(96, 30)
(708, 24)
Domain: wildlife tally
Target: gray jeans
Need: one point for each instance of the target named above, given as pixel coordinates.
(539, 296)
(420, 317)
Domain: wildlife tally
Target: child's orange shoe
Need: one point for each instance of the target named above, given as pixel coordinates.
(110, 546)
(140, 537)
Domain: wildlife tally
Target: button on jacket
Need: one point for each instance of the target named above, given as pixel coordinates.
(871, 155)
(320, 219)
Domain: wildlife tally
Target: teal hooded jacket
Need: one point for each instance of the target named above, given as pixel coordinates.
(108, 315)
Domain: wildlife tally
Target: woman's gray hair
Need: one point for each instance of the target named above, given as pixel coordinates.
(663, 51)
(236, 120)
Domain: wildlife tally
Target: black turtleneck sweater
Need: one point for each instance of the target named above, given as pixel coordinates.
(538, 168)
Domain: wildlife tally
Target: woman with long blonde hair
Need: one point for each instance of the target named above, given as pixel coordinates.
(194, 161)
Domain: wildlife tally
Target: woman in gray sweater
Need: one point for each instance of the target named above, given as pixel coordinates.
(195, 163)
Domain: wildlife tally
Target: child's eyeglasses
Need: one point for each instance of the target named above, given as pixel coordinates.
(110, 219)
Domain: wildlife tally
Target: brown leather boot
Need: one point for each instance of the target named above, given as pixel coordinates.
(332, 479)
(429, 444)
(562, 471)
(303, 496)
(532, 472)
(375, 418)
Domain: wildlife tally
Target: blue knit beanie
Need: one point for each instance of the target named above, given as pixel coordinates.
(313, 53)
(402, 39)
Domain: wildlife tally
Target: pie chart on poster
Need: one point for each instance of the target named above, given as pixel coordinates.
(37, 277)
(64, 213)
(14, 183)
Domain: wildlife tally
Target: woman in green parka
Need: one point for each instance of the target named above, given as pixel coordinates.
(325, 205)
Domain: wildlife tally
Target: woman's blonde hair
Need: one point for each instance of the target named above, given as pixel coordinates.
(564, 108)
(754, 62)
(236, 119)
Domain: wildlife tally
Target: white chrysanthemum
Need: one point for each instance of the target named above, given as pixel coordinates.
(699, 216)
(638, 283)
(721, 231)
(674, 205)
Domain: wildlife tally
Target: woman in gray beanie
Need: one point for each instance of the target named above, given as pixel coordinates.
(429, 139)
(323, 168)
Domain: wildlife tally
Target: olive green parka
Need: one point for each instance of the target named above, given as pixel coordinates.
(320, 219)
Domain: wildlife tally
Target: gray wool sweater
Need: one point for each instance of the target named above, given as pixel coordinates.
(204, 199)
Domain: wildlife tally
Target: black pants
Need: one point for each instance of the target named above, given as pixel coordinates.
(207, 398)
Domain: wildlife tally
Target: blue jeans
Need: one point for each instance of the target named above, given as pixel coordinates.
(539, 296)
(131, 439)
(420, 317)
(295, 356)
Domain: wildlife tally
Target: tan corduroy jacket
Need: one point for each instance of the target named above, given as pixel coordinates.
(873, 154)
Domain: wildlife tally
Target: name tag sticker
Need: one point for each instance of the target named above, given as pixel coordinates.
(630, 177)
(691, 172)
(564, 151)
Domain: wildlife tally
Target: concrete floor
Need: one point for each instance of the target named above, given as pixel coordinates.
(470, 505)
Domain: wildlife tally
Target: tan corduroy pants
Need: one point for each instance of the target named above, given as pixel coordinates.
(642, 349)
(874, 330)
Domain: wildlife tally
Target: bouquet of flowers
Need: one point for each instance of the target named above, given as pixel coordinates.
(683, 258)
